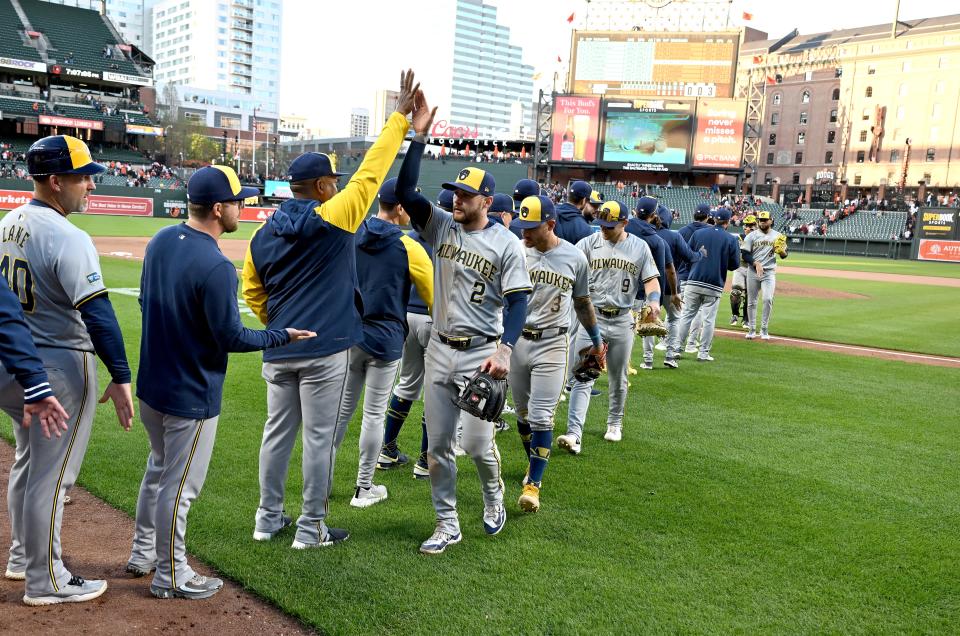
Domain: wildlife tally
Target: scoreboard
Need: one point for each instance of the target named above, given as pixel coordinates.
(638, 64)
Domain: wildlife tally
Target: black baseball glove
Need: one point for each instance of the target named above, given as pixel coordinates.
(483, 396)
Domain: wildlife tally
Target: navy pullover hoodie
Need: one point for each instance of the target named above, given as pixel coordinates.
(571, 226)
(723, 255)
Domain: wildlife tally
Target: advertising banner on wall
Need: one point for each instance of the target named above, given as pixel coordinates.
(139, 129)
(933, 250)
(576, 122)
(120, 206)
(70, 122)
(938, 223)
(718, 140)
(10, 199)
(123, 78)
(250, 213)
(23, 65)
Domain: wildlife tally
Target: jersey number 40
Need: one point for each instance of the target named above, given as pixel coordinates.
(17, 273)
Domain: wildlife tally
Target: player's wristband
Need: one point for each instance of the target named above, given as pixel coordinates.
(653, 297)
(594, 333)
(420, 138)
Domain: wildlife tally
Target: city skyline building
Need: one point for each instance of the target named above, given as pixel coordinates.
(359, 122)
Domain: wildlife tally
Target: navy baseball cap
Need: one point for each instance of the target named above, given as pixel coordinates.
(722, 214)
(596, 198)
(703, 208)
(646, 206)
(525, 188)
(61, 154)
(473, 181)
(445, 200)
(388, 192)
(311, 165)
(501, 203)
(611, 213)
(534, 211)
(666, 216)
(216, 184)
(581, 190)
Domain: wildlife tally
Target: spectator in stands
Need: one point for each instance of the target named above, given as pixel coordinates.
(69, 58)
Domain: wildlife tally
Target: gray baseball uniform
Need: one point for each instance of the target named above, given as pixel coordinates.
(617, 271)
(54, 269)
(760, 244)
(473, 271)
(410, 377)
(539, 360)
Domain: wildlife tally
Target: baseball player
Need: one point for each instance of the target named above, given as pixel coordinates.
(701, 295)
(620, 265)
(188, 295)
(739, 288)
(410, 378)
(26, 381)
(481, 287)
(388, 263)
(702, 217)
(683, 256)
(560, 277)
(54, 270)
(643, 227)
(302, 262)
(760, 250)
(501, 210)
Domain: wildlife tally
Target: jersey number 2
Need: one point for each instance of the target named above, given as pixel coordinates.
(478, 290)
(18, 275)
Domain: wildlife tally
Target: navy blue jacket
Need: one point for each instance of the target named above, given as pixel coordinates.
(723, 255)
(417, 305)
(683, 256)
(571, 226)
(388, 264)
(17, 350)
(307, 268)
(188, 296)
(683, 269)
(660, 250)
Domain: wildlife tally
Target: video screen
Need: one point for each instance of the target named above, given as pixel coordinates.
(277, 189)
(651, 135)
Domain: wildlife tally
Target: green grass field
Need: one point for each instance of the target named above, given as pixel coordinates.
(774, 490)
(864, 264)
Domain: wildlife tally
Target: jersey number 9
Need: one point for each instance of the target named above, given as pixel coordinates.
(625, 286)
(18, 275)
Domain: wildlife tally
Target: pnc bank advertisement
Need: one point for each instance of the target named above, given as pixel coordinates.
(718, 142)
(576, 122)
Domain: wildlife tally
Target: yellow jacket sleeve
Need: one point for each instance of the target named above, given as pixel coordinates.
(421, 270)
(253, 292)
(348, 208)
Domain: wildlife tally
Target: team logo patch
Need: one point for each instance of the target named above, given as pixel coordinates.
(465, 173)
(524, 212)
(94, 277)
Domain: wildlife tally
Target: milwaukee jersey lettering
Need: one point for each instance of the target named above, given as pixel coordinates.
(617, 271)
(761, 246)
(558, 276)
(472, 273)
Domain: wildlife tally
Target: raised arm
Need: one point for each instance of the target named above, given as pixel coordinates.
(417, 206)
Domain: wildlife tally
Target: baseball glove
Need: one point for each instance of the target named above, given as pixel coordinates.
(590, 365)
(483, 396)
(649, 324)
(780, 245)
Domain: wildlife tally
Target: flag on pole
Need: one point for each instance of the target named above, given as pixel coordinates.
(747, 16)
(558, 59)
(771, 80)
(570, 19)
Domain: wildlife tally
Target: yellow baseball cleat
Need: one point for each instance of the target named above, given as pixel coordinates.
(530, 499)
(631, 370)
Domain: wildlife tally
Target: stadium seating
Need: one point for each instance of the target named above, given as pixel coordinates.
(61, 24)
(11, 40)
(18, 106)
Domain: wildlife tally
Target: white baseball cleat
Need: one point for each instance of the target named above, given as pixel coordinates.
(706, 358)
(366, 497)
(671, 363)
(647, 366)
(494, 518)
(764, 335)
(439, 541)
(691, 348)
(13, 575)
(751, 334)
(613, 434)
(570, 443)
(263, 535)
(661, 346)
(76, 591)
(197, 588)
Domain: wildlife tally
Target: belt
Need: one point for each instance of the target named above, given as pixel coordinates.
(610, 312)
(465, 342)
(539, 334)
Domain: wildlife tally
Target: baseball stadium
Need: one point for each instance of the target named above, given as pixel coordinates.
(664, 340)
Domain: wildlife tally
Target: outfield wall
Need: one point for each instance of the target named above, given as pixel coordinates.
(876, 248)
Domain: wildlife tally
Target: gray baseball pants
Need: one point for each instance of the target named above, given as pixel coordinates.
(572, 354)
(307, 390)
(377, 375)
(537, 375)
(755, 284)
(180, 450)
(446, 369)
(697, 302)
(618, 332)
(44, 469)
(696, 325)
(410, 378)
(673, 328)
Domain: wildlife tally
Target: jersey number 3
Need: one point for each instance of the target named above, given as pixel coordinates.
(18, 275)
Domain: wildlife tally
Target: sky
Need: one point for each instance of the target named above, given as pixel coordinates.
(336, 55)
